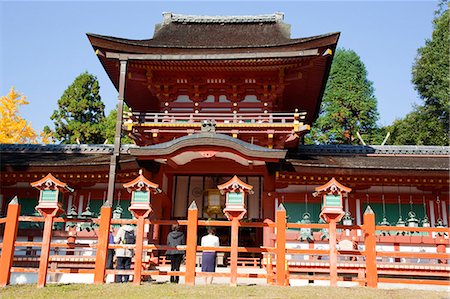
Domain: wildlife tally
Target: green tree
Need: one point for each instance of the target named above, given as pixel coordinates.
(80, 115)
(110, 127)
(428, 124)
(349, 106)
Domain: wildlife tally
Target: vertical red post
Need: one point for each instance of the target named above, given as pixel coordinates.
(370, 243)
(281, 245)
(269, 269)
(45, 249)
(333, 253)
(139, 250)
(234, 251)
(102, 245)
(9, 239)
(361, 277)
(191, 244)
(71, 239)
(441, 245)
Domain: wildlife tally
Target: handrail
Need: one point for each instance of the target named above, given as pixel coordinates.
(219, 117)
(414, 229)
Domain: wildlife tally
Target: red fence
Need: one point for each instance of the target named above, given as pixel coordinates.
(361, 262)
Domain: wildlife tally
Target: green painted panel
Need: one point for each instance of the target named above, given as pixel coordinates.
(393, 213)
(27, 206)
(235, 198)
(141, 196)
(125, 204)
(333, 200)
(295, 211)
(96, 205)
(49, 195)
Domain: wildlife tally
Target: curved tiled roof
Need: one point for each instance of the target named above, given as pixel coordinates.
(374, 150)
(319, 156)
(212, 140)
(393, 157)
(190, 31)
(62, 148)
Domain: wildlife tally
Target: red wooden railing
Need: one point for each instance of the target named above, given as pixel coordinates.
(362, 265)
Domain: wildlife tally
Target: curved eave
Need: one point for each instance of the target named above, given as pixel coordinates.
(211, 141)
(117, 44)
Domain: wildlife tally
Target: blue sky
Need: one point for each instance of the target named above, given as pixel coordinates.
(44, 46)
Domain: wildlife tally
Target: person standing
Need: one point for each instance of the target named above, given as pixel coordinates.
(125, 235)
(110, 259)
(209, 256)
(174, 238)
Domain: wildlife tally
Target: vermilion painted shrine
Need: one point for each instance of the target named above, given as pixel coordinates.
(212, 98)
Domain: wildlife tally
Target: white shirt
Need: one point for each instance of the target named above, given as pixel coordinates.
(210, 241)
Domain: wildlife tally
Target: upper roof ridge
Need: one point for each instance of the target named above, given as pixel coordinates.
(182, 18)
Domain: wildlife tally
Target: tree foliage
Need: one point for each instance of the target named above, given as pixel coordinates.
(13, 128)
(110, 127)
(80, 115)
(428, 124)
(349, 105)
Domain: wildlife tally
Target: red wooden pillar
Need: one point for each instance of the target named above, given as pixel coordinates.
(71, 239)
(139, 248)
(281, 245)
(102, 245)
(370, 243)
(269, 269)
(48, 214)
(9, 239)
(191, 244)
(441, 245)
(333, 252)
(234, 251)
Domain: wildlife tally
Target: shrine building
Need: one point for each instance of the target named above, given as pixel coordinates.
(214, 97)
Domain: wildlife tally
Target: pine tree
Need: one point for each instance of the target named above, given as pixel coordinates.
(80, 114)
(349, 105)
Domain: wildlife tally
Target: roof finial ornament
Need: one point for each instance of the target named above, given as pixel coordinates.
(167, 17)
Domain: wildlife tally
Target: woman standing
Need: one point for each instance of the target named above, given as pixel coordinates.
(209, 256)
(175, 238)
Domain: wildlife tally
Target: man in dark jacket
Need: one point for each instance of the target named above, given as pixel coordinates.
(175, 238)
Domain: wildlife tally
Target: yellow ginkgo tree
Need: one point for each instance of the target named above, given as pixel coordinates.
(13, 128)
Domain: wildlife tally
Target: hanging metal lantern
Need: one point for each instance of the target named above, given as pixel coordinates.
(412, 220)
(117, 213)
(87, 214)
(306, 233)
(385, 222)
(347, 219)
(400, 223)
(426, 222)
(70, 215)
